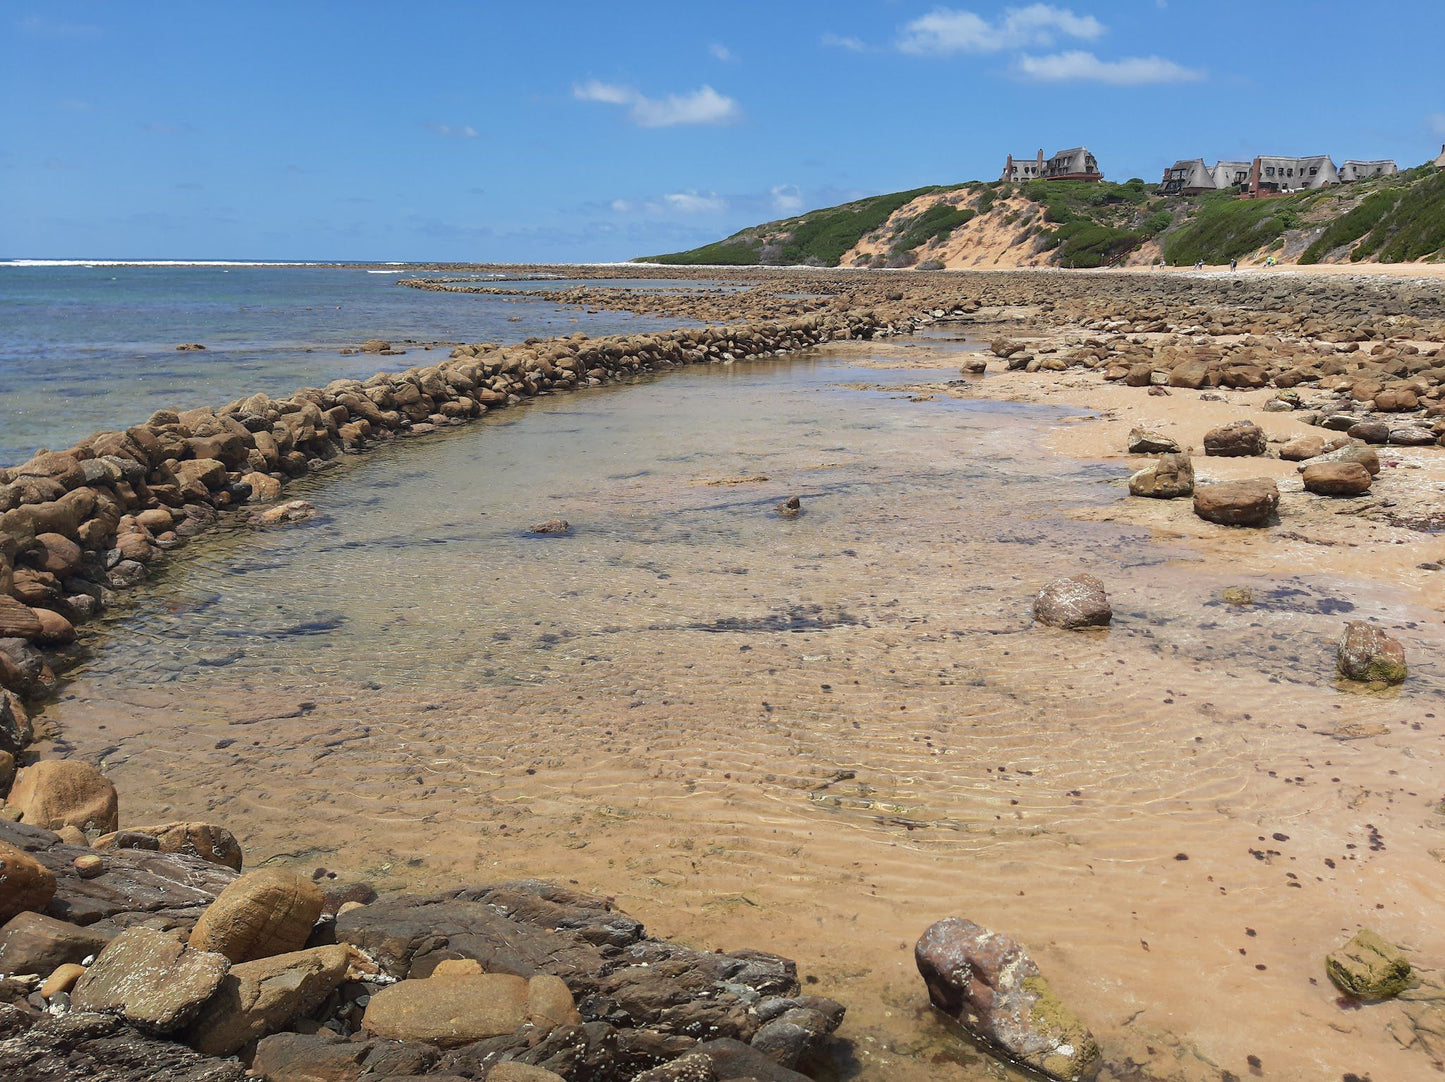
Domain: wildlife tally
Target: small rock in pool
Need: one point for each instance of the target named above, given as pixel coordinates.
(555, 527)
(1073, 603)
(1369, 967)
(792, 507)
(1369, 655)
(187, 347)
(291, 511)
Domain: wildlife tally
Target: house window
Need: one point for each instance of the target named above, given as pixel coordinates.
(1314, 169)
(1269, 171)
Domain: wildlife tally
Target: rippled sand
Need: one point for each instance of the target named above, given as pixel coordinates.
(815, 735)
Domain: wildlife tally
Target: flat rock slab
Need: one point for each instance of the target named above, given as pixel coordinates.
(100, 1048)
(135, 881)
(150, 978)
(449, 1011)
(256, 999)
(35, 943)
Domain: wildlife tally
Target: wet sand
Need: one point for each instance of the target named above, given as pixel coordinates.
(817, 736)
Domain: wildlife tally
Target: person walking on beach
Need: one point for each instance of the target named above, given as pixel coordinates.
(1233, 263)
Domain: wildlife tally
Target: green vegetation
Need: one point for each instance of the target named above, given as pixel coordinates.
(1098, 223)
(724, 253)
(938, 220)
(824, 235)
(1225, 228)
(1414, 227)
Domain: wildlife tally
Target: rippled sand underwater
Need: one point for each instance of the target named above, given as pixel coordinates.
(812, 735)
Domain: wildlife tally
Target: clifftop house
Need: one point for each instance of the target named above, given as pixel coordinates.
(1075, 163)
(1269, 174)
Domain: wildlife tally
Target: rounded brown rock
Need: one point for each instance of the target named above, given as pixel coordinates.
(26, 885)
(65, 792)
(262, 913)
(1237, 503)
(1336, 479)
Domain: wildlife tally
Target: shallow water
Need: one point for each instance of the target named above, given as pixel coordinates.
(810, 735)
(84, 349)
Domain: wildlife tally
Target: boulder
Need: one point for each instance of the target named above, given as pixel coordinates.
(65, 792)
(26, 884)
(1412, 436)
(329, 1057)
(1369, 967)
(34, 943)
(151, 979)
(1172, 476)
(555, 526)
(55, 630)
(205, 840)
(1073, 603)
(988, 983)
(1237, 503)
(261, 914)
(286, 513)
(264, 487)
(17, 621)
(450, 1011)
(1143, 441)
(1238, 439)
(1370, 431)
(1354, 452)
(1336, 479)
(1310, 445)
(256, 999)
(1369, 655)
(16, 731)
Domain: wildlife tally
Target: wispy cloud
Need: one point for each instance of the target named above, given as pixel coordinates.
(721, 52)
(673, 203)
(1083, 67)
(703, 106)
(1437, 123)
(35, 26)
(838, 41)
(452, 131)
(944, 31)
(786, 198)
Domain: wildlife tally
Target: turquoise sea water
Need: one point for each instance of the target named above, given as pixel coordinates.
(88, 348)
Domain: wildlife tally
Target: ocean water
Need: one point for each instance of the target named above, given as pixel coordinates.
(88, 347)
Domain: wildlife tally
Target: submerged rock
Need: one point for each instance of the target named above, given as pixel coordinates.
(792, 507)
(1369, 655)
(1369, 967)
(1073, 603)
(987, 982)
(1172, 476)
(552, 527)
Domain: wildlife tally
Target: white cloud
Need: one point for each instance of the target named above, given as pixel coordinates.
(1082, 67)
(836, 41)
(703, 106)
(721, 52)
(944, 30)
(622, 206)
(695, 202)
(787, 198)
(457, 131)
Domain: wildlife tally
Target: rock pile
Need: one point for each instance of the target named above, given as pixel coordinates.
(171, 962)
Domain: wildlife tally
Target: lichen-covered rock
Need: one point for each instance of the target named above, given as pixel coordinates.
(987, 982)
(1169, 478)
(1369, 655)
(1369, 967)
(65, 792)
(151, 979)
(1073, 603)
(262, 913)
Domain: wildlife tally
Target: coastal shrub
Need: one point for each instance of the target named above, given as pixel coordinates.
(723, 253)
(1083, 243)
(1157, 222)
(939, 220)
(825, 235)
(1350, 227)
(985, 202)
(1225, 228)
(1414, 227)
(930, 264)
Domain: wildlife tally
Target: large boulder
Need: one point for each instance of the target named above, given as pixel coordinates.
(262, 913)
(55, 793)
(1238, 439)
(1367, 654)
(256, 999)
(1336, 479)
(988, 983)
(1169, 478)
(1237, 503)
(449, 1011)
(1367, 457)
(1073, 603)
(25, 883)
(34, 943)
(1311, 445)
(17, 621)
(151, 979)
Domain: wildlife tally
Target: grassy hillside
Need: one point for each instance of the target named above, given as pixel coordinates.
(1069, 224)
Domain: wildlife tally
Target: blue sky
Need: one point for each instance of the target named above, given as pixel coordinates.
(596, 131)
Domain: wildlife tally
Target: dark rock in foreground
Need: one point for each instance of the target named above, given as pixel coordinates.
(1073, 603)
(987, 982)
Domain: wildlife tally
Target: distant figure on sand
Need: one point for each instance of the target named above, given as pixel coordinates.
(1233, 263)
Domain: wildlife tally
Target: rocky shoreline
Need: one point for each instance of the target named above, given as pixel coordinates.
(1360, 362)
